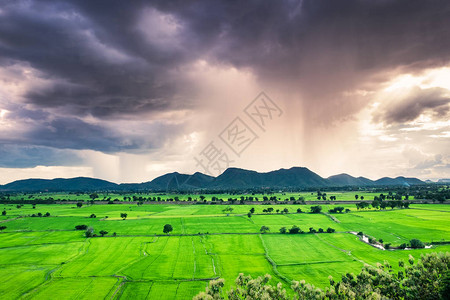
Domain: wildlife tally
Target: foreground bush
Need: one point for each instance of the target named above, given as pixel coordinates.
(427, 279)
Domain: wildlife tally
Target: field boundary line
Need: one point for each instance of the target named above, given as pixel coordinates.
(272, 262)
(119, 287)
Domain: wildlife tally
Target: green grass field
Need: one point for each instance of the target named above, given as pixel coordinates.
(45, 258)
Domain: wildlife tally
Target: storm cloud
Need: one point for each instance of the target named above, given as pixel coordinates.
(79, 74)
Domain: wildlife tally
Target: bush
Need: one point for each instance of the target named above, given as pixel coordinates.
(402, 246)
(316, 209)
(330, 230)
(416, 244)
(387, 246)
(89, 232)
(320, 230)
(294, 229)
(81, 227)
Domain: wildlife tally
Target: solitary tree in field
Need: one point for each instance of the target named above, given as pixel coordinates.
(4, 213)
(81, 227)
(252, 210)
(167, 228)
(89, 232)
(356, 197)
(103, 232)
(79, 204)
(264, 229)
(2, 228)
(124, 215)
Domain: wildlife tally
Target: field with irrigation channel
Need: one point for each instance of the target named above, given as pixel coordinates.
(126, 254)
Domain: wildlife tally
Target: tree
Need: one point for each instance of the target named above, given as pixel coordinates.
(316, 209)
(330, 230)
(252, 210)
(92, 216)
(264, 229)
(89, 232)
(4, 213)
(79, 204)
(299, 210)
(123, 215)
(81, 227)
(93, 196)
(47, 214)
(103, 232)
(283, 230)
(294, 229)
(249, 215)
(2, 228)
(362, 197)
(356, 197)
(416, 244)
(168, 228)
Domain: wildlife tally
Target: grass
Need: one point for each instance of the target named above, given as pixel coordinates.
(44, 257)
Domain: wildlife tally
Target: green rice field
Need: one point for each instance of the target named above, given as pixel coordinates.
(46, 258)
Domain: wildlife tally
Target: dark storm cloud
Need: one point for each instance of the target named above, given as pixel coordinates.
(16, 156)
(102, 64)
(419, 101)
(72, 133)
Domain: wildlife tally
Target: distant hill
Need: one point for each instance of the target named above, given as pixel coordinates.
(347, 180)
(60, 184)
(230, 179)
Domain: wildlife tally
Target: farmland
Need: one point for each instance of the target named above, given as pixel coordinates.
(45, 257)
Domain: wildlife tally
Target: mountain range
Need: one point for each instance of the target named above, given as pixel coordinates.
(230, 179)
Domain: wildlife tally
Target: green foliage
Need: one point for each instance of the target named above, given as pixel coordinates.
(264, 229)
(81, 227)
(89, 232)
(416, 244)
(294, 229)
(2, 228)
(316, 209)
(167, 228)
(330, 230)
(428, 279)
(103, 232)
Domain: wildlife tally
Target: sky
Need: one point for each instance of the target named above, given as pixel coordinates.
(130, 90)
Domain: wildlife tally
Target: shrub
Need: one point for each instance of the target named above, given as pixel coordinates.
(330, 230)
(402, 246)
(294, 229)
(81, 227)
(416, 244)
(89, 232)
